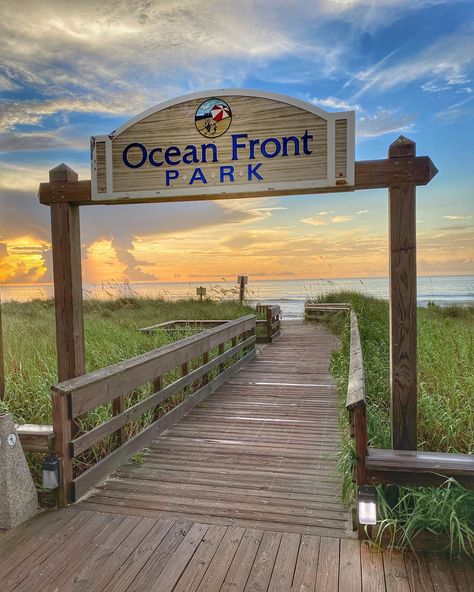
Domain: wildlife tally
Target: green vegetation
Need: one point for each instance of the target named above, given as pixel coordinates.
(445, 412)
(111, 333)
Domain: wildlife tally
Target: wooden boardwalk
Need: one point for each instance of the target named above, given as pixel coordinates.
(260, 452)
(241, 495)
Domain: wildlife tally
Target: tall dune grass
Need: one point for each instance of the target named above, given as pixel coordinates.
(445, 412)
(111, 335)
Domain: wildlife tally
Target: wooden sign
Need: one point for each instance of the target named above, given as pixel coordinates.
(224, 143)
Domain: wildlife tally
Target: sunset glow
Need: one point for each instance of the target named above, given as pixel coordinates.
(403, 67)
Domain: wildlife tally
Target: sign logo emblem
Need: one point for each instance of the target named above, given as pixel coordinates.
(213, 118)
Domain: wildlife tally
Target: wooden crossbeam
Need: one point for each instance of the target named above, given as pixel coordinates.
(369, 174)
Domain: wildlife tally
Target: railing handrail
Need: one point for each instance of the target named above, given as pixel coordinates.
(355, 398)
(103, 377)
(356, 382)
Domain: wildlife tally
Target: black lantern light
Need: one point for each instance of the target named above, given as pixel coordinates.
(51, 472)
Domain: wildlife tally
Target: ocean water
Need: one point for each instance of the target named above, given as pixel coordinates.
(289, 294)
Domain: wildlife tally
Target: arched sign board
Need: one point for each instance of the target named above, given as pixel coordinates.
(224, 143)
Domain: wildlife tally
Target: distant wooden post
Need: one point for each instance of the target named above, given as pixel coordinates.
(402, 238)
(2, 362)
(201, 292)
(242, 280)
(66, 244)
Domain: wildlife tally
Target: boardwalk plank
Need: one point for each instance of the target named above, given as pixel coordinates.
(327, 576)
(46, 565)
(350, 567)
(123, 577)
(373, 579)
(96, 573)
(28, 561)
(285, 563)
(418, 573)
(239, 570)
(200, 561)
(441, 574)
(217, 570)
(144, 580)
(396, 578)
(262, 568)
(306, 565)
(180, 559)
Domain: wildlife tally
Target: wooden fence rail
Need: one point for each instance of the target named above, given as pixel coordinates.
(204, 361)
(271, 325)
(355, 400)
(379, 465)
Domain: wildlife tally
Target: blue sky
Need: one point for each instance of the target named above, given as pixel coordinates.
(72, 70)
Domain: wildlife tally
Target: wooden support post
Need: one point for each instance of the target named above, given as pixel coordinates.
(118, 407)
(2, 360)
(62, 425)
(66, 246)
(221, 351)
(205, 360)
(402, 238)
(269, 324)
(156, 386)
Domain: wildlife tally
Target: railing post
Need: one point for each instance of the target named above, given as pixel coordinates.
(221, 351)
(157, 385)
(118, 407)
(359, 418)
(402, 237)
(269, 324)
(62, 425)
(205, 360)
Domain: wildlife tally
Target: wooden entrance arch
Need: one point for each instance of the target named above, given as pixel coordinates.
(400, 173)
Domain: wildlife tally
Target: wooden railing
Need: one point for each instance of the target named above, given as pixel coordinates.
(232, 345)
(313, 310)
(378, 465)
(355, 400)
(271, 324)
(36, 438)
(177, 325)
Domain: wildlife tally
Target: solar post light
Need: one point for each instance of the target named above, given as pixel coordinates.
(51, 472)
(367, 505)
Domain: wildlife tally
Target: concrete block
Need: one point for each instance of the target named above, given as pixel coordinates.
(18, 498)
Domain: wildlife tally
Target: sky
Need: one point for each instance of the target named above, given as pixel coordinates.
(72, 70)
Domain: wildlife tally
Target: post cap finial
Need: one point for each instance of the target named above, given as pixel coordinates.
(402, 147)
(62, 173)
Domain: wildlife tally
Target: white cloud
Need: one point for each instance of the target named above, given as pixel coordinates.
(269, 209)
(382, 121)
(362, 212)
(314, 221)
(457, 217)
(322, 219)
(335, 103)
(340, 219)
(455, 110)
(447, 60)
